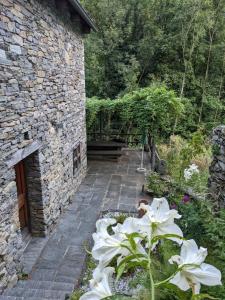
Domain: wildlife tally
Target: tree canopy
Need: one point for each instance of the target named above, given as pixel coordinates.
(180, 43)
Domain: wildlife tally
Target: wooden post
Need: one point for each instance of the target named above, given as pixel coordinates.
(153, 149)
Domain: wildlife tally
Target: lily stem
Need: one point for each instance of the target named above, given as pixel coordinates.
(152, 285)
(150, 272)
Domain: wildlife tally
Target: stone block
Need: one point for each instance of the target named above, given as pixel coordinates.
(17, 39)
(15, 49)
(3, 58)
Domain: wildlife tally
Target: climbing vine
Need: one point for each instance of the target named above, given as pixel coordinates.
(148, 110)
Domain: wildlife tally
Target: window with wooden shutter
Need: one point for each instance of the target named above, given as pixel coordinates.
(76, 159)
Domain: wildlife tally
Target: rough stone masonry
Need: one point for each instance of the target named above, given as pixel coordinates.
(217, 168)
(42, 109)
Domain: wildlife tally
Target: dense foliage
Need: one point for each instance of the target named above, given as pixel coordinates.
(153, 109)
(179, 43)
(199, 220)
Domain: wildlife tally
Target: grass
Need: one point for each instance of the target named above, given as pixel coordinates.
(76, 295)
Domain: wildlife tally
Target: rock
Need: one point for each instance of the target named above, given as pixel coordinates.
(16, 49)
(2, 54)
(217, 168)
(13, 280)
(3, 58)
(17, 39)
(161, 167)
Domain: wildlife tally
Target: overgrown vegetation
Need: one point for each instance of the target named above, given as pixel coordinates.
(199, 220)
(179, 153)
(149, 110)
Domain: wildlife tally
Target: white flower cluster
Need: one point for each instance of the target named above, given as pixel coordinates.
(189, 172)
(157, 222)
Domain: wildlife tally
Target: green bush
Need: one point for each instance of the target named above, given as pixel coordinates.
(208, 229)
(157, 185)
(153, 109)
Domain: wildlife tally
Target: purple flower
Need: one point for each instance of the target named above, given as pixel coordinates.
(186, 198)
(173, 206)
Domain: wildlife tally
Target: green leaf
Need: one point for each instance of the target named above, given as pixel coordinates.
(131, 257)
(117, 297)
(120, 271)
(143, 264)
(131, 241)
(129, 265)
(166, 236)
(202, 296)
(131, 238)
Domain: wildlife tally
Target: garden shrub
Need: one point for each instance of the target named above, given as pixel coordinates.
(208, 229)
(157, 185)
(148, 110)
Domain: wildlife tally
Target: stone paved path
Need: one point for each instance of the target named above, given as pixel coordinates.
(56, 263)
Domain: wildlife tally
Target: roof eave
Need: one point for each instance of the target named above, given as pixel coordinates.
(83, 14)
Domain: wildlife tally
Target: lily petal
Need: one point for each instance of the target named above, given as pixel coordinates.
(99, 285)
(206, 274)
(103, 224)
(191, 254)
(165, 228)
(180, 281)
(160, 205)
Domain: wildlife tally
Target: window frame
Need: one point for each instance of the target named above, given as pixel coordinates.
(76, 158)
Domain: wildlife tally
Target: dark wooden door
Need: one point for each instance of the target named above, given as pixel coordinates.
(21, 191)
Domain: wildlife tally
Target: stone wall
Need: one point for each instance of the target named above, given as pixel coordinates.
(42, 95)
(217, 168)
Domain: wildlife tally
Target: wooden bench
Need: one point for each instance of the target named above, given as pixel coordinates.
(104, 150)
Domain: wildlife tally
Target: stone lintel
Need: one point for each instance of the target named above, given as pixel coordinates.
(23, 153)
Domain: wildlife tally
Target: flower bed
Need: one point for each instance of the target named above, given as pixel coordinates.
(135, 258)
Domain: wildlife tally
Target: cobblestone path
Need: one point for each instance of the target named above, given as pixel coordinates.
(55, 264)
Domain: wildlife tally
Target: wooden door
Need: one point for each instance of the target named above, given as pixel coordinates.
(21, 191)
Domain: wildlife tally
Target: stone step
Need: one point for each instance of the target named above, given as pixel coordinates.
(37, 293)
(46, 285)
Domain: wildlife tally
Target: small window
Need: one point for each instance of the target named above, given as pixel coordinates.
(76, 159)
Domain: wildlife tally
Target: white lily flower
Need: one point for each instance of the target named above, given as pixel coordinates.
(130, 225)
(193, 272)
(187, 174)
(103, 224)
(100, 287)
(107, 246)
(159, 219)
(192, 169)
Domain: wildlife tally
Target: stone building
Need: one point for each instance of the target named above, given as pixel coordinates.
(217, 168)
(42, 124)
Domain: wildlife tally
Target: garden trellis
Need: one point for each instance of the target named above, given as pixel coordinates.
(147, 113)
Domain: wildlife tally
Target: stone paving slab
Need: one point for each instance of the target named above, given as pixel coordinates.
(56, 263)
